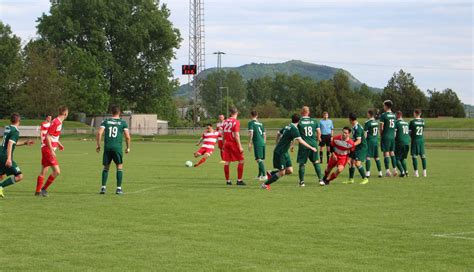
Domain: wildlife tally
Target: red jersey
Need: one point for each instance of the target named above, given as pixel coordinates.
(210, 139)
(43, 131)
(54, 131)
(220, 130)
(342, 148)
(230, 127)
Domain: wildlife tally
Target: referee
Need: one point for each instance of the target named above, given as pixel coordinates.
(327, 130)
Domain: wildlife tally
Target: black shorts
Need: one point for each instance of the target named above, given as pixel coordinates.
(325, 140)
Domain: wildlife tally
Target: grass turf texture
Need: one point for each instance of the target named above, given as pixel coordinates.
(177, 218)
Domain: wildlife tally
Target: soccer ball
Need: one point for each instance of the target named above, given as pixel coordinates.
(188, 164)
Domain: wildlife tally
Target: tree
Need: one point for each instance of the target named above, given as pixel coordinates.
(10, 68)
(133, 41)
(445, 103)
(259, 90)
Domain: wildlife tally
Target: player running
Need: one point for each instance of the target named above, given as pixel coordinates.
(311, 134)
(371, 128)
(220, 122)
(341, 146)
(8, 166)
(208, 140)
(402, 144)
(232, 146)
(114, 129)
(258, 138)
(360, 151)
(387, 130)
(417, 127)
(327, 130)
(281, 158)
(48, 153)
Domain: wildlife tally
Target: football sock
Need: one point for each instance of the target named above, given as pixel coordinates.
(400, 166)
(226, 171)
(327, 155)
(201, 161)
(415, 163)
(423, 163)
(301, 171)
(274, 172)
(333, 176)
(317, 168)
(379, 165)
(240, 171)
(386, 162)
(321, 156)
(351, 172)
(105, 175)
(368, 163)
(394, 161)
(39, 183)
(361, 171)
(261, 168)
(404, 165)
(274, 178)
(119, 177)
(48, 183)
(8, 181)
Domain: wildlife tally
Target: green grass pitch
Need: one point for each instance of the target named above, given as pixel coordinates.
(177, 218)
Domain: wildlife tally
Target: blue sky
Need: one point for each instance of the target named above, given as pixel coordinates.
(432, 39)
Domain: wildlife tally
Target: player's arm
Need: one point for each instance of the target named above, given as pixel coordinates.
(292, 146)
(305, 144)
(277, 139)
(237, 139)
(264, 137)
(10, 144)
(98, 138)
(127, 140)
(359, 140)
(318, 131)
(49, 144)
(200, 141)
(250, 138)
(27, 142)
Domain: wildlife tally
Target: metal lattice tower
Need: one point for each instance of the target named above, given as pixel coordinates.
(196, 49)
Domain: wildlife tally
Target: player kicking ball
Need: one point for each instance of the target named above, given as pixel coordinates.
(281, 158)
(114, 129)
(208, 141)
(8, 166)
(341, 146)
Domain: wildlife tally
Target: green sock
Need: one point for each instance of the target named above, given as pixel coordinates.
(379, 165)
(423, 163)
(105, 175)
(261, 168)
(415, 163)
(368, 163)
(394, 161)
(351, 172)
(362, 171)
(386, 162)
(8, 181)
(301, 171)
(317, 168)
(400, 166)
(119, 177)
(274, 178)
(404, 164)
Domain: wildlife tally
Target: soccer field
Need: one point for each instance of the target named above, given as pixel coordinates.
(177, 218)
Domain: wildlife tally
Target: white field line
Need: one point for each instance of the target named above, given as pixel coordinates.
(458, 235)
(150, 188)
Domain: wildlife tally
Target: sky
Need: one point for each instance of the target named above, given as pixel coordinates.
(372, 39)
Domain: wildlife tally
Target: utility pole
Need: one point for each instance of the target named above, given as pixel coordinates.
(197, 50)
(219, 68)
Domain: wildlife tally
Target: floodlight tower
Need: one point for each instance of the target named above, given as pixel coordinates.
(197, 50)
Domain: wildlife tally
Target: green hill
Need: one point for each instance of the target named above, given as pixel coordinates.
(293, 67)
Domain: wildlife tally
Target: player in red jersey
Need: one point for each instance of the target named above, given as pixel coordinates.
(45, 127)
(208, 141)
(341, 146)
(232, 146)
(48, 151)
(219, 124)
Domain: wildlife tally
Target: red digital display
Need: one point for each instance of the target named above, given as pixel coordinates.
(189, 69)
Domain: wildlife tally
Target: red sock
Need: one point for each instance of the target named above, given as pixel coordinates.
(240, 171)
(226, 171)
(49, 182)
(200, 162)
(39, 183)
(333, 176)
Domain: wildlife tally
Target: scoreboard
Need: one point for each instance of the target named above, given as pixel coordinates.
(189, 69)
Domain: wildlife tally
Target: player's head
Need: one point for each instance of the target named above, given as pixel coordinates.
(370, 114)
(115, 110)
(346, 133)
(305, 111)
(387, 105)
(15, 118)
(352, 118)
(48, 118)
(254, 114)
(417, 113)
(221, 117)
(295, 118)
(209, 127)
(233, 112)
(325, 115)
(399, 114)
(63, 111)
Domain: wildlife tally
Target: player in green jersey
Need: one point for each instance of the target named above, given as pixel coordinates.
(360, 152)
(311, 134)
(8, 166)
(258, 138)
(417, 127)
(402, 144)
(371, 128)
(387, 131)
(114, 129)
(281, 158)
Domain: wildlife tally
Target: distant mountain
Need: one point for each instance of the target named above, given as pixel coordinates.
(304, 69)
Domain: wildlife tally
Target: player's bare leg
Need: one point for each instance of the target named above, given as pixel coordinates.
(203, 159)
(9, 181)
(56, 172)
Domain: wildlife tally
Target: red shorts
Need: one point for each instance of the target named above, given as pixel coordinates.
(232, 153)
(204, 150)
(339, 160)
(47, 159)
